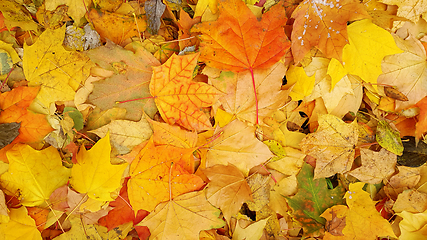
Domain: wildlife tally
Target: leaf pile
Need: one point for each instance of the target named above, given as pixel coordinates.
(213, 119)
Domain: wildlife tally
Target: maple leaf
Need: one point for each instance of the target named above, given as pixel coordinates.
(410, 65)
(227, 189)
(237, 41)
(94, 174)
(413, 225)
(161, 173)
(237, 145)
(421, 125)
(240, 100)
(323, 24)
(302, 84)
(20, 226)
(57, 71)
(183, 217)
(333, 144)
(253, 231)
(34, 174)
(368, 45)
(376, 166)
(122, 211)
(76, 9)
(312, 199)
(362, 219)
(165, 134)
(130, 81)
(124, 134)
(177, 97)
(411, 10)
(117, 27)
(185, 24)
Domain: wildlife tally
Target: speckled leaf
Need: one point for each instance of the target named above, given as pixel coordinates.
(312, 199)
(389, 138)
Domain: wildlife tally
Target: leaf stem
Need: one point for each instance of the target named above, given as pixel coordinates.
(131, 100)
(256, 95)
(5, 80)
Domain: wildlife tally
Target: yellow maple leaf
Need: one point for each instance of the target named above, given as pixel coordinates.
(94, 174)
(59, 72)
(368, 45)
(21, 226)
(34, 174)
(413, 225)
(303, 83)
(362, 220)
(76, 9)
(183, 218)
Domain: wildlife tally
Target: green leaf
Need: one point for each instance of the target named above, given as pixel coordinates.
(76, 116)
(312, 199)
(389, 138)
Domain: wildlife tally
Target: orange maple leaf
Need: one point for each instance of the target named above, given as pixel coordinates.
(238, 41)
(161, 173)
(14, 106)
(179, 99)
(323, 24)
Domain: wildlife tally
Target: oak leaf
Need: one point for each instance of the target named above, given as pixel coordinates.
(34, 174)
(362, 219)
(227, 189)
(161, 173)
(323, 24)
(57, 71)
(132, 72)
(410, 65)
(94, 174)
(183, 217)
(312, 199)
(237, 145)
(177, 97)
(333, 144)
(376, 166)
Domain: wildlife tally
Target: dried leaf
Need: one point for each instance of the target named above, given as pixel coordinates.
(154, 10)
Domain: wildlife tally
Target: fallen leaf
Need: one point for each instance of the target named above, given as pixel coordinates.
(227, 189)
(312, 199)
(161, 173)
(238, 42)
(93, 174)
(333, 145)
(260, 189)
(57, 71)
(76, 9)
(122, 212)
(376, 166)
(172, 220)
(124, 134)
(389, 138)
(177, 97)
(411, 201)
(237, 145)
(365, 44)
(154, 10)
(34, 174)
(117, 27)
(20, 226)
(303, 84)
(130, 81)
(8, 133)
(185, 23)
(165, 134)
(411, 10)
(407, 178)
(323, 24)
(409, 65)
(413, 225)
(421, 125)
(240, 100)
(252, 232)
(362, 218)
(4, 211)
